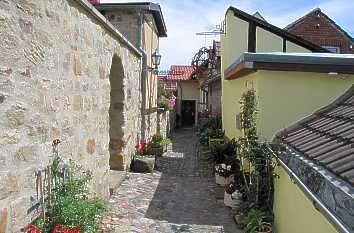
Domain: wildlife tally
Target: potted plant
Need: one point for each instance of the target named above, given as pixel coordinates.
(255, 222)
(142, 161)
(228, 191)
(222, 173)
(165, 142)
(216, 135)
(155, 146)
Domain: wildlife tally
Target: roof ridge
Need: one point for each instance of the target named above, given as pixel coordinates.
(287, 27)
(293, 24)
(277, 31)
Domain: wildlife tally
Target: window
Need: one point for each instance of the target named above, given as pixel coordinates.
(332, 49)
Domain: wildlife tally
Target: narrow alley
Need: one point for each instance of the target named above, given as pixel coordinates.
(181, 196)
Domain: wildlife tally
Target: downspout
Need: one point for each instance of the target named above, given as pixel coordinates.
(314, 199)
(144, 73)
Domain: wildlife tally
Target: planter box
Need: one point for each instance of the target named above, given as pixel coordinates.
(157, 151)
(228, 200)
(144, 164)
(236, 200)
(216, 140)
(221, 180)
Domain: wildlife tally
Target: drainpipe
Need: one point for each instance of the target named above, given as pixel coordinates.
(144, 73)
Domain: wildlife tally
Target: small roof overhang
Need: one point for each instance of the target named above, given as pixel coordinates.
(154, 8)
(302, 62)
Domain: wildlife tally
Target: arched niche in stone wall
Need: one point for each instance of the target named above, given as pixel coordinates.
(116, 115)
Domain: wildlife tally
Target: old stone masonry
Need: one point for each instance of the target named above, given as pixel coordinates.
(180, 197)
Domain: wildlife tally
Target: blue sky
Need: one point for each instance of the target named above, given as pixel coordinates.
(184, 18)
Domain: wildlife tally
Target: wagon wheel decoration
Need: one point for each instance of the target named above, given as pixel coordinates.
(203, 58)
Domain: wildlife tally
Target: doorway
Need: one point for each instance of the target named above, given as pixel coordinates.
(188, 112)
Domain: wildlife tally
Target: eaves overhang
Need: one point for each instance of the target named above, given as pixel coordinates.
(153, 8)
(301, 62)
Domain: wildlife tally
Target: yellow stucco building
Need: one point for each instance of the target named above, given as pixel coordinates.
(292, 80)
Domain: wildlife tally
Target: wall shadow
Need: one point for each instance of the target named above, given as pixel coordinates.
(186, 193)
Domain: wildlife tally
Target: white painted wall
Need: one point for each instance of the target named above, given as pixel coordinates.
(188, 90)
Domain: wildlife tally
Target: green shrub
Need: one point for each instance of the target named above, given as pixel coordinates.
(253, 220)
(71, 204)
(156, 140)
(166, 141)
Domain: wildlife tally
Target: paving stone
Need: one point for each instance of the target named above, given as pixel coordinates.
(180, 196)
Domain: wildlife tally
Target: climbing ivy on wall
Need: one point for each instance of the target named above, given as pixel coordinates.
(257, 163)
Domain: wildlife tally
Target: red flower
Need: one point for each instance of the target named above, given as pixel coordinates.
(56, 142)
(31, 229)
(54, 229)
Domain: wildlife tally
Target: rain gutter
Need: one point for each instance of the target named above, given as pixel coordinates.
(315, 200)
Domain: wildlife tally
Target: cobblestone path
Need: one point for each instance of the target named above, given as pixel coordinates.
(179, 197)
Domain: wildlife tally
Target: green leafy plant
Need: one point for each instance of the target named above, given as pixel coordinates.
(224, 152)
(155, 141)
(72, 206)
(210, 133)
(163, 103)
(216, 133)
(223, 170)
(166, 141)
(257, 164)
(71, 202)
(256, 221)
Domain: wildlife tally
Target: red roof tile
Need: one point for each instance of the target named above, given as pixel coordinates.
(180, 73)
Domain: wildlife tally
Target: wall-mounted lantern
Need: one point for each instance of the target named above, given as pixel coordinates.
(156, 59)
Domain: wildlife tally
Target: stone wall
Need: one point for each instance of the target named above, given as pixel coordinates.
(159, 122)
(164, 125)
(126, 21)
(56, 58)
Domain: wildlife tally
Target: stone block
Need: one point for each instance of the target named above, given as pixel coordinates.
(8, 184)
(25, 25)
(16, 115)
(5, 71)
(116, 161)
(26, 72)
(19, 216)
(77, 65)
(90, 147)
(115, 179)
(3, 220)
(2, 98)
(117, 144)
(7, 139)
(102, 72)
(144, 164)
(78, 103)
(25, 154)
